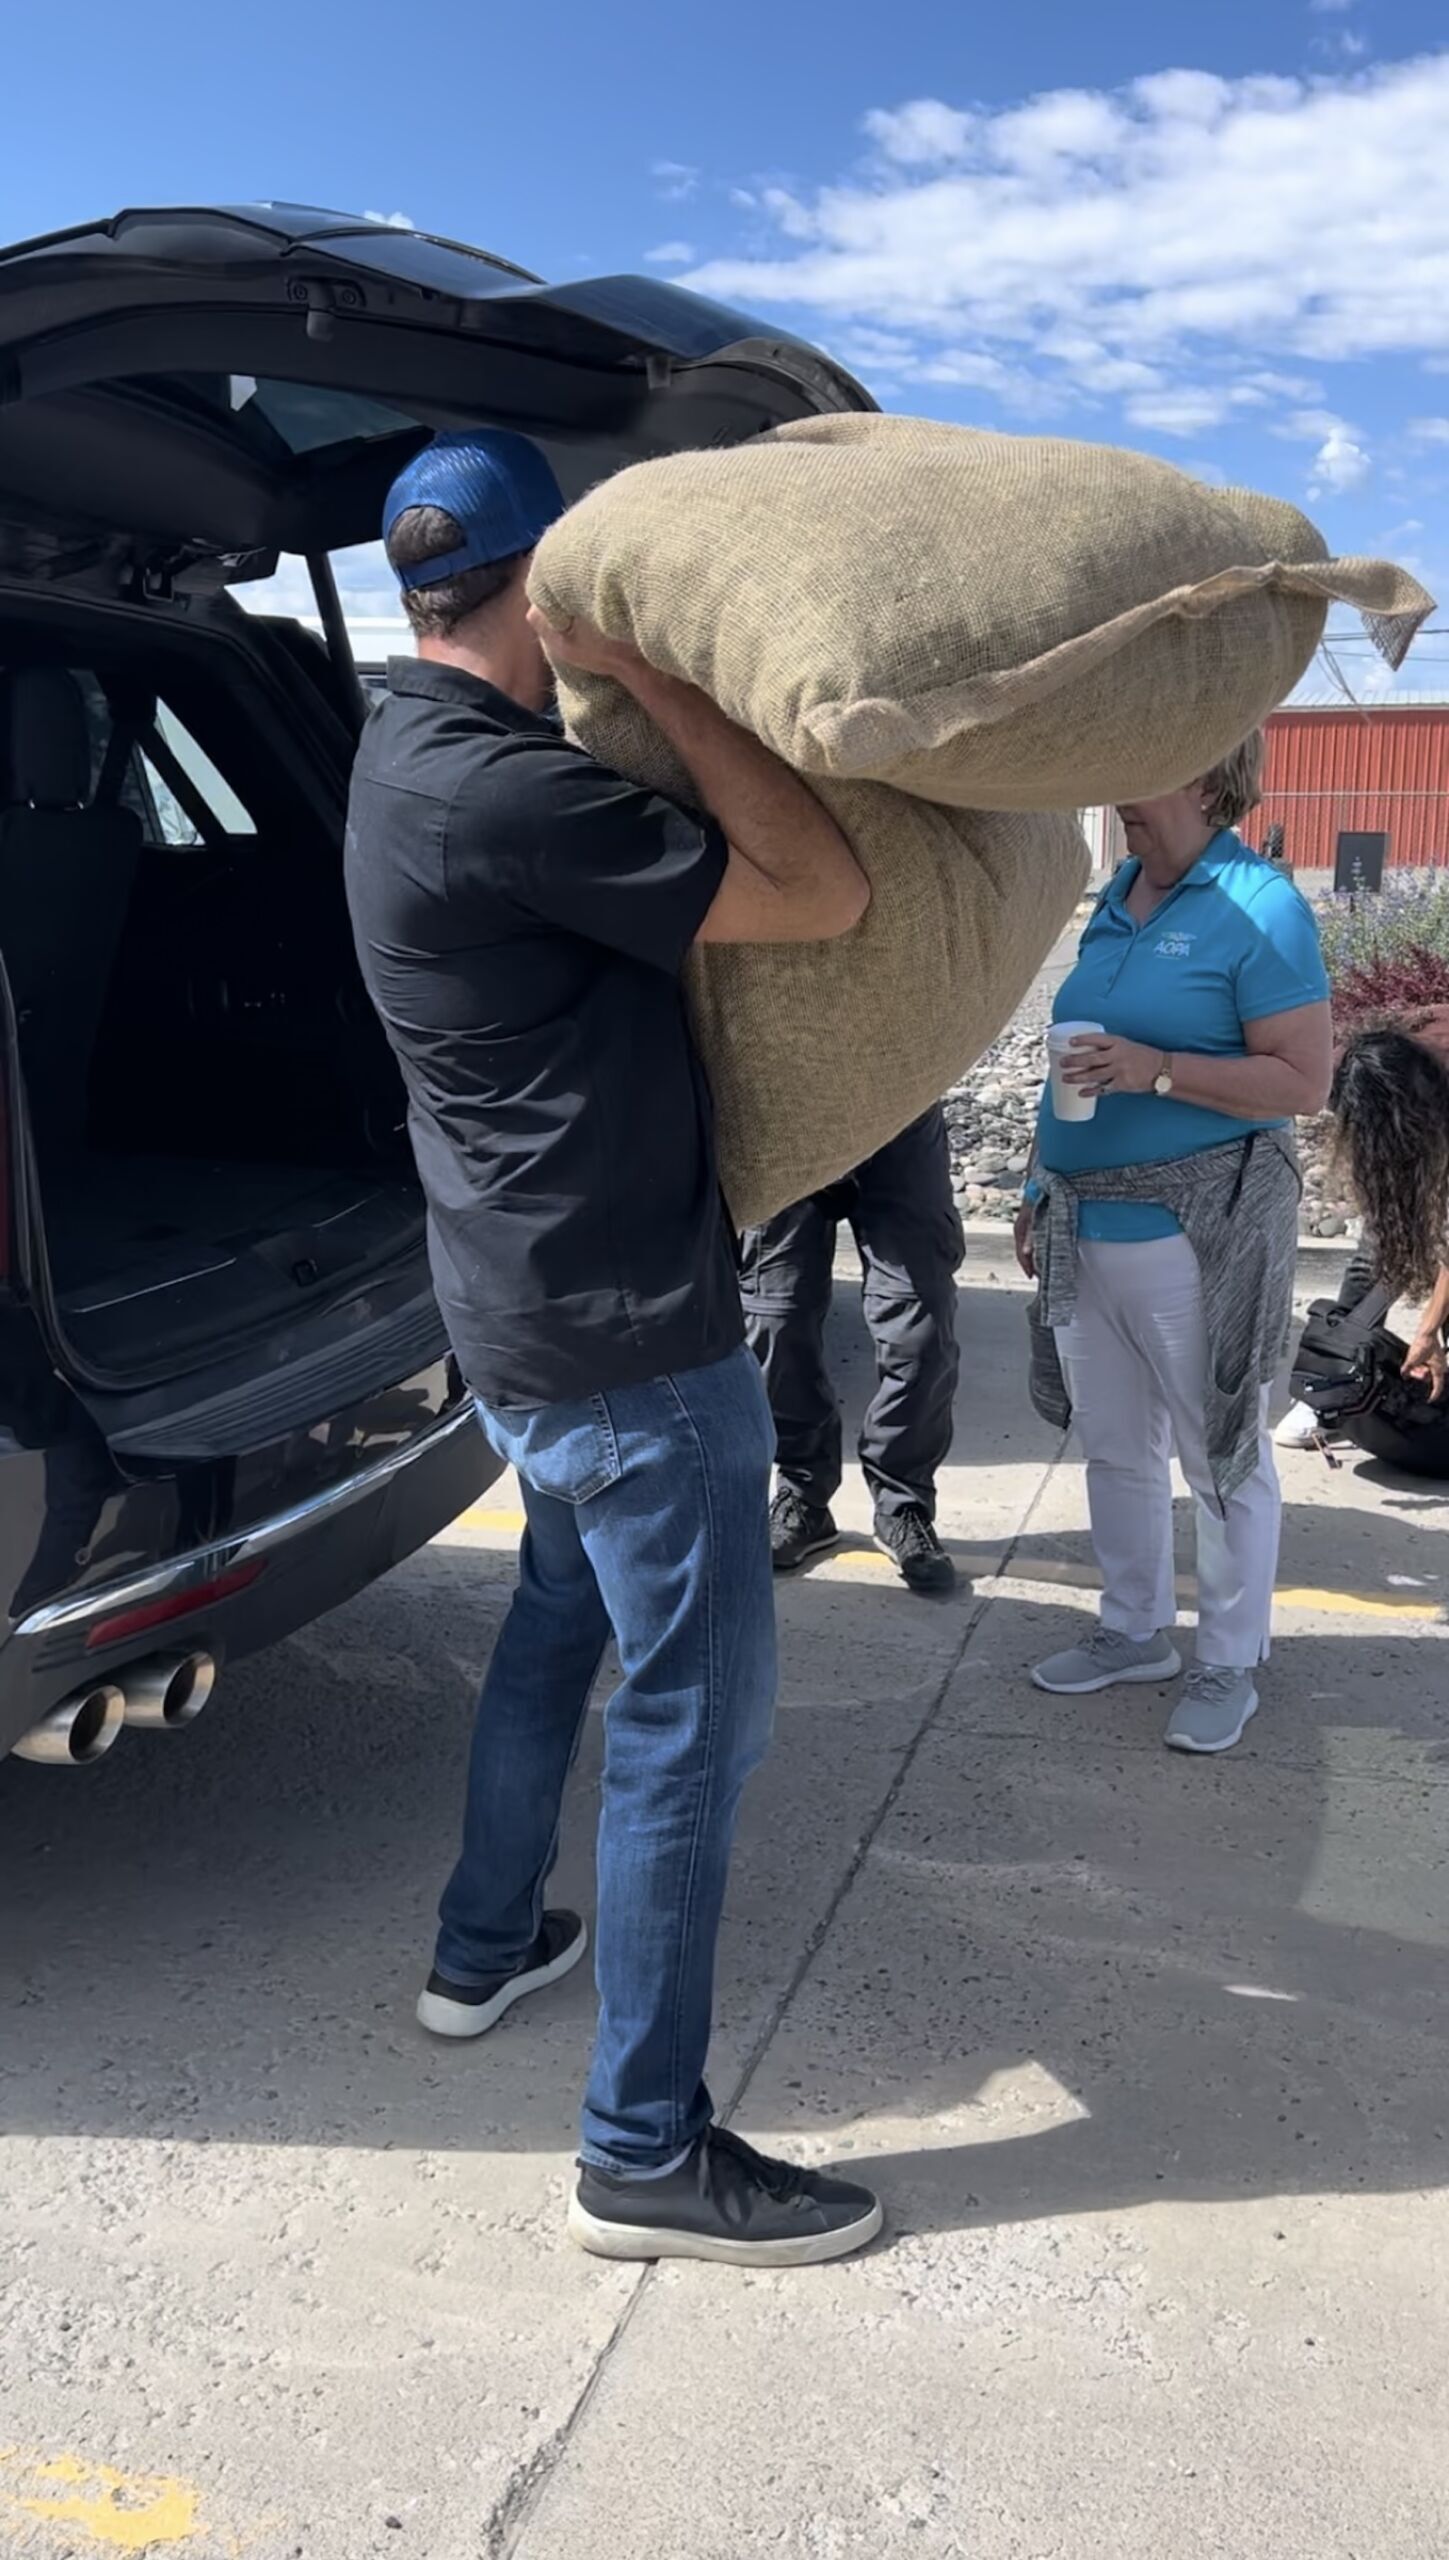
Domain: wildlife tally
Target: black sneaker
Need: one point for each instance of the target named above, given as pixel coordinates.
(725, 2202)
(798, 1531)
(470, 2009)
(908, 1538)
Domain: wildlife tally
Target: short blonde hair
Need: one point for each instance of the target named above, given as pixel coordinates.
(1235, 784)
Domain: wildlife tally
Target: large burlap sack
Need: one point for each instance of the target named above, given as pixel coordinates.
(988, 621)
(818, 1053)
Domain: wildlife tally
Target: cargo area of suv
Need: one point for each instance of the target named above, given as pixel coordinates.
(217, 1129)
(214, 1122)
(227, 1402)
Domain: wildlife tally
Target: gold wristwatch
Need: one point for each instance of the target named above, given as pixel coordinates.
(1162, 1081)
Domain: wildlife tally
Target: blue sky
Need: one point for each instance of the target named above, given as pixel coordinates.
(1228, 243)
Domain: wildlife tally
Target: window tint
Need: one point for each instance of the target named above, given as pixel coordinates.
(280, 418)
(161, 773)
(209, 787)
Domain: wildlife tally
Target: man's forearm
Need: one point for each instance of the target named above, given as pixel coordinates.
(770, 816)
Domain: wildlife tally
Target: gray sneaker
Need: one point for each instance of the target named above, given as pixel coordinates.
(1104, 1659)
(1215, 1707)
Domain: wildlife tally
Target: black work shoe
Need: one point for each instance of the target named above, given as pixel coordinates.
(470, 2009)
(728, 2203)
(798, 1531)
(908, 1538)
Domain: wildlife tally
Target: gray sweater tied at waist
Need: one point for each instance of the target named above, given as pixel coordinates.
(1238, 1207)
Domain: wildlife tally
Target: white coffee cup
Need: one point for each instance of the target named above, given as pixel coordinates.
(1068, 1100)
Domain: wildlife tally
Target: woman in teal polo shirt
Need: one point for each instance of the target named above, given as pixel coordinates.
(1202, 963)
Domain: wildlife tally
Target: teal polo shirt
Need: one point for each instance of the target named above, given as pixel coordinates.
(1230, 944)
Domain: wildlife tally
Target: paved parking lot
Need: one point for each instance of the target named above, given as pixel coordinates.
(1149, 2058)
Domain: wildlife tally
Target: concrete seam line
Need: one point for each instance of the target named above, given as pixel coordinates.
(976, 1618)
(512, 2514)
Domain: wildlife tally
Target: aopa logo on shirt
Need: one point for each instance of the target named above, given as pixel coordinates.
(1173, 946)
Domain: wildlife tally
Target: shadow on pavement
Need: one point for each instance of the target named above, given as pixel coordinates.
(1027, 1962)
(1213, 1980)
(1235, 1973)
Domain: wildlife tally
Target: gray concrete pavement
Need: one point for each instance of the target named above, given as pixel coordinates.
(1148, 2057)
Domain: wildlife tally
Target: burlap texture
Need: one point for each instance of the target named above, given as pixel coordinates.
(818, 1053)
(985, 621)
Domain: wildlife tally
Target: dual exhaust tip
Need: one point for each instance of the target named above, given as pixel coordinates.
(161, 1696)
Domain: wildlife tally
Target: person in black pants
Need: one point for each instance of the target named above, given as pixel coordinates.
(903, 1217)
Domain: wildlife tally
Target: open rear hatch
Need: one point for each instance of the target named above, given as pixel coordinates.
(222, 384)
(184, 396)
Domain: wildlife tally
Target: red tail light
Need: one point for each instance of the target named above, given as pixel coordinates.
(150, 1614)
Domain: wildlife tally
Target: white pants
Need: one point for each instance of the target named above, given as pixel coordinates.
(1135, 1358)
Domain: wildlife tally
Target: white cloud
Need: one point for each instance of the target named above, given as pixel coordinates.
(1372, 680)
(1183, 411)
(1339, 467)
(970, 369)
(1147, 245)
(1341, 44)
(675, 180)
(1184, 97)
(895, 362)
(392, 221)
(670, 253)
(365, 583)
(1430, 430)
(788, 213)
(922, 135)
(1280, 386)
(1065, 125)
(1342, 464)
(1311, 426)
(1329, 8)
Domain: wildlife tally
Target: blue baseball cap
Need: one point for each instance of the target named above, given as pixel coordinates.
(498, 486)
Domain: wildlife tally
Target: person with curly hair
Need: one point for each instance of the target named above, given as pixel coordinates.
(1390, 1103)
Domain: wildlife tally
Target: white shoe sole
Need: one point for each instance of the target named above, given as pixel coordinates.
(1138, 1675)
(459, 2020)
(635, 2241)
(1203, 1750)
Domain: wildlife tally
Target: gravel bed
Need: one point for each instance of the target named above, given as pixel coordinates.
(991, 1115)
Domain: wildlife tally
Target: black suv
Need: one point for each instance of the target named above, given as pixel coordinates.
(226, 1401)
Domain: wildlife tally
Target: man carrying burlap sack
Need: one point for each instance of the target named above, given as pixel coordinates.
(522, 916)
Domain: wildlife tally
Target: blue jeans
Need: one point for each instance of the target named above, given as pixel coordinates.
(647, 1515)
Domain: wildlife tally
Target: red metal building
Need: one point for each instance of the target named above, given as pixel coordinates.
(1382, 768)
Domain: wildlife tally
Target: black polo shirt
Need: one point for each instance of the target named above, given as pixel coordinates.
(522, 916)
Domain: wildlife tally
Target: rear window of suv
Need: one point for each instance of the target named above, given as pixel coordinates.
(166, 778)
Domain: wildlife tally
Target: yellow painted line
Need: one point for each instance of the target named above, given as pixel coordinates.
(1340, 1604)
(115, 2510)
(508, 1524)
(480, 1520)
(1360, 1604)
